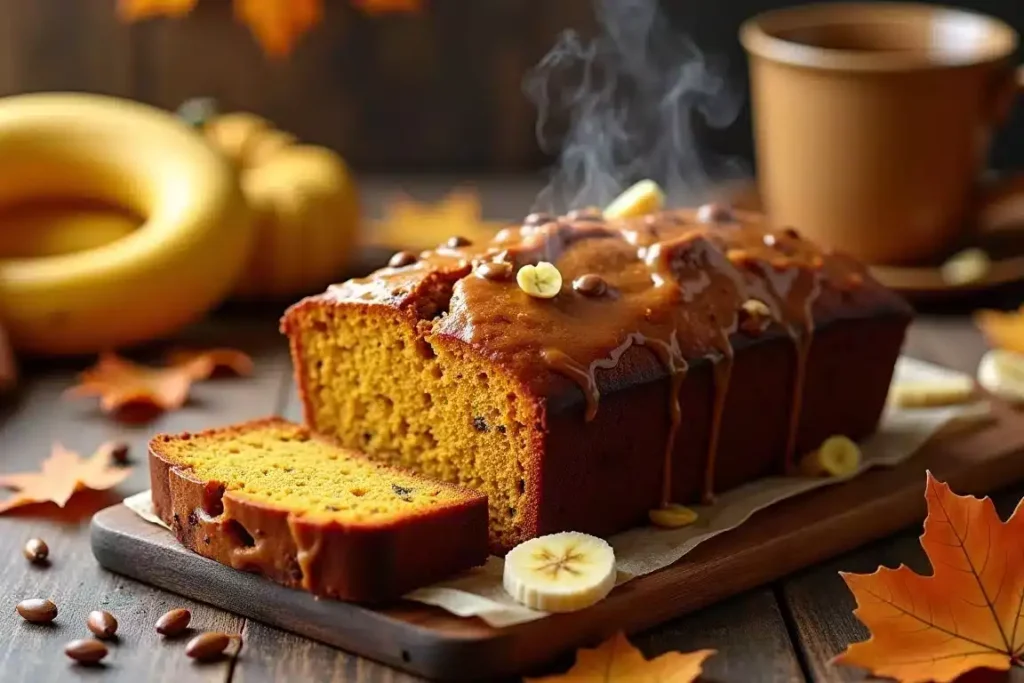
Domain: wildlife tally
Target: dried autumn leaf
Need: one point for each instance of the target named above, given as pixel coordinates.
(409, 224)
(277, 24)
(966, 615)
(617, 661)
(123, 385)
(1003, 330)
(389, 6)
(61, 475)
(131, 10)
(216, 360)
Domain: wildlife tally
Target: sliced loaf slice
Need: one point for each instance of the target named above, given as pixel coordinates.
(270, 497)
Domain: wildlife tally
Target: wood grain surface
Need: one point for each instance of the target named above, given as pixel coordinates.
(784, 632)
(438, 89)
(429, 642)
(36, 418)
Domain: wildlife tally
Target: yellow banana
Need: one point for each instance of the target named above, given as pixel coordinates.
(182, 261)
(60, 227)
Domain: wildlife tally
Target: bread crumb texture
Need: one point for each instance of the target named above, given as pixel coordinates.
(282, 465)
(381, 384)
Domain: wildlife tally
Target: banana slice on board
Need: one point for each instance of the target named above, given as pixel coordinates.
(642, 198)
(1002, 373)
(933, 393)
(837, 456)
(561, 572)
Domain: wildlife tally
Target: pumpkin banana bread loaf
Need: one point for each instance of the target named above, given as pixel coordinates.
(268, 497)
(662, 360)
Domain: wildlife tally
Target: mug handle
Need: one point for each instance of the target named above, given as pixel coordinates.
(1000, 202)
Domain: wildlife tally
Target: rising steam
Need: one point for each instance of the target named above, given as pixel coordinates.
(623, 107)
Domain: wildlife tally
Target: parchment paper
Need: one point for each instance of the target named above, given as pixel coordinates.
(479, 593)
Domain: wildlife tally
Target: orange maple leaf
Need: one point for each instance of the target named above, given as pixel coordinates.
(123, 385)
(617, 661)
(215, 360)
(61, 475)
(389, 6)
(131, 10)
(965, 616)
(277, 24)
(409, 224)
(1003, 330)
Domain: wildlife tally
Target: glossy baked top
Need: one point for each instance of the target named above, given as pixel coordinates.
(683, 282)
(689, 285)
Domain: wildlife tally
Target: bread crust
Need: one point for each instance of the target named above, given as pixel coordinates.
(360, 562)
(827, 361)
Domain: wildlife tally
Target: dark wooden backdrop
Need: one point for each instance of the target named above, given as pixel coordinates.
(439, 91)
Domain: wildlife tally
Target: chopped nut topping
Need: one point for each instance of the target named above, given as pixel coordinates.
(590, 285)
(494, 270)
(402, 259)
(715, 213)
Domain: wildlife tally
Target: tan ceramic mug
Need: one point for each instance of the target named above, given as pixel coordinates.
(873, 122)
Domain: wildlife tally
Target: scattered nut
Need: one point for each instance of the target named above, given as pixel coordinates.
(36, 550)
(542, 281)
(495, 270)
(590, 285)
(672, 516)
(119, 452)
(208, 646)
(37, 610)
(401, 259)
(174, 622)
(102, 624)
(86, 651)
(457, 241)
(965, 267)
(715, 213)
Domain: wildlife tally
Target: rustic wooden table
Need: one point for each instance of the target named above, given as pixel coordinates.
(787, 631)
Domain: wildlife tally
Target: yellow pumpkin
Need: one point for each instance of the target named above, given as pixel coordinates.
(304, 199)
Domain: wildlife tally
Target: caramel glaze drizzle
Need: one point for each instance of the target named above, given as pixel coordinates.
(676, 284)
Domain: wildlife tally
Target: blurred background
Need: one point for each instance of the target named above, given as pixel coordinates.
(437, 90)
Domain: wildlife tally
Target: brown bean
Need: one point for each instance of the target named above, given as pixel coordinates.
(401, 259)
(174, 622)
(86, 651)
(37, 610)
(207, 646)
(119, 452)
(36, 550)
(590, 285)
(714, 213)
(457, 241)
(535, 219)
(495, 270)
(102, 624)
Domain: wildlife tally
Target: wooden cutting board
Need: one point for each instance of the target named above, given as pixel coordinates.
(430, 642)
